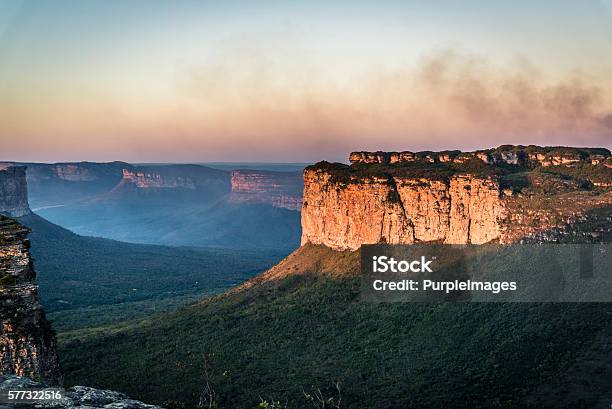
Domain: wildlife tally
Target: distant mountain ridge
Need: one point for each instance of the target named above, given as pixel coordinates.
(280, 189)
(169, 204)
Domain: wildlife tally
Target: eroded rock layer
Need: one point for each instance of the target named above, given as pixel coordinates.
(27, 343)
(279, 189)
(156, 180)
(13, 191)
(397, 210)
(531, 156)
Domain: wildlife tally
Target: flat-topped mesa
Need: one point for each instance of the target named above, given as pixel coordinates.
(397, 210)
(155, 180)
(450, 197)
(13, 191)
(27, 343)
(526, 156)
(73, 172)
(279, 189)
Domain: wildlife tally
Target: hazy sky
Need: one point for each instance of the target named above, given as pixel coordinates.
(191, 81)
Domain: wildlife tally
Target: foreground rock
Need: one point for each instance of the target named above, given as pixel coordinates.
(76, 396)
(27, 342)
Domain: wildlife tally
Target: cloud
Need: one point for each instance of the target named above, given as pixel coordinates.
(278, 103)
(447, 99)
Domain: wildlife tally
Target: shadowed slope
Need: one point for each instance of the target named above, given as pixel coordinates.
(87, 281)
(301, 324)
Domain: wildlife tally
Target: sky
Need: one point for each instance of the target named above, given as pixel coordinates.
(298, 81)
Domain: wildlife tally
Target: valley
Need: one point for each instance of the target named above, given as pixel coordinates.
(174, 321)
(87, 281)
(90, 281)
(171, 204)
(302, 326)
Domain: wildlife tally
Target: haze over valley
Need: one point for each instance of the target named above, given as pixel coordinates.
(187, 205)
(205, 230)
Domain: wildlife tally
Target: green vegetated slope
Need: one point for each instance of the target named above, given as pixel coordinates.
(87, 281)
(302, 325)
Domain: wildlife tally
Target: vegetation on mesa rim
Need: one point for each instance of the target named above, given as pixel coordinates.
(299, 330)
(342, 173)
(443, 171)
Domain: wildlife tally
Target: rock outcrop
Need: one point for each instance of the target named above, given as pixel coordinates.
(74, 173)
(279, 189)
(74, 397)
(156, 180)
(71, 171)
(27, 343)
(191, 179)
(530, 156)
(397, 210)
(451, 197)
(13, 191)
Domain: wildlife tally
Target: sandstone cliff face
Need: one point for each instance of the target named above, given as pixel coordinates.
(279, 189)
(476, 210)
(399, 210)
(13, 191)
(27, 343)
(156, 180)
(71, 171)
(74, 173)
(452, 197)
(194, 180)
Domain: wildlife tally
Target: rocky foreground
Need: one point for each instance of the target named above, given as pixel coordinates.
(76, 396)
(27, 342)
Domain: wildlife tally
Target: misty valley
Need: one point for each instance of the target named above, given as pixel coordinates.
(240, 287)
(185, 205)
(205, 230)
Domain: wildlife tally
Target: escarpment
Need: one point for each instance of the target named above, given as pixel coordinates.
(13, 191)
(397, 210)
(27, 343)
(496, 195)
(279, 189)
(156, 180)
